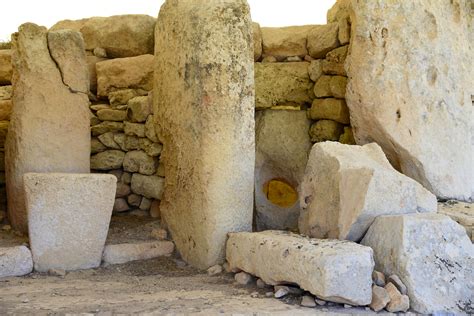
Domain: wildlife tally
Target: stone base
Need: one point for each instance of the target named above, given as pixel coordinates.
(68, 218)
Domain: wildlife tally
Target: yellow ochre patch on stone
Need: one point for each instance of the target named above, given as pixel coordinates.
(280, 193)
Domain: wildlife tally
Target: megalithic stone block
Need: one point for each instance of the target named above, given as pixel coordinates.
(68, 218)
(205, 111)
(49, 128)
(333, 270)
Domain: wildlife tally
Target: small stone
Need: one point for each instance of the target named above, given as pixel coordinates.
(330, 109)
(378, 278)
(159, 234)
(254, 295)
(215, 270)
(145, 204)
(123, 190)
(121, 97)
(308, 301)
(134, 129)
(120, 205)
(107, 160)
(126, 177)
(293, 59)
(97, 146)
(308, 58)
(134, 199)
(315, 69)
(105, 127)
(243, 278)
(268, 294)
(117, 173)
(152, 149)
(155, 209)
(269, 59)
(25, 300)
(139, 213)
(320, 302)
(139, 108)
(347, 137)
(282, 292)
(100, 52)
(148, 186)
(57, 272)
(112, 115)
(398, 283)
(347, 306)
(398, 302)
(108, 140)
(380, 298)
(325, 130)
(139, 161)
(261, 284)
(98, 107)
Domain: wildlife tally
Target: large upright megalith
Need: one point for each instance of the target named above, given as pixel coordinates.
(49, 127)
(204, 105)
(410, 84)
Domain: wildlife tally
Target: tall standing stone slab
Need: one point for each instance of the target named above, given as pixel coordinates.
(410, 85)
(205, 110)
(68, 218)
(433, 257)
(282, 149)
(49, 128)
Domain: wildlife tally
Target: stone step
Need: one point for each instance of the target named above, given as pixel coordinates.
(123, 253)
(333, 270)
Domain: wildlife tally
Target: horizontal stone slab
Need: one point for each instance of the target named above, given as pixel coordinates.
(122, 253)
(15, 261)
(333, 270)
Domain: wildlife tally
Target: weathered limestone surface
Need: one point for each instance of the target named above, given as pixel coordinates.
(346, 187)
(462, 213)
(410, 85)
(282, 84)
(15, 261)
(282, 149)
(122, 73)
(333, 270)
(49, 129)
(60, 212)
(283, 42)
(205, 112)
(257, 41)
(122, 253)
(5, 66)
(433, 257)
(322, 39)
(120, 35)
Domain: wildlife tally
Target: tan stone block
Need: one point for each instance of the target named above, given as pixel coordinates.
(324, 130)
(330, 109)
(322, 39)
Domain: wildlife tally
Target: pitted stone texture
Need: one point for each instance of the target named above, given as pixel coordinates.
(282, 149)
(282, 84)
(283, 42)
(346, 187)
(50, 124)
(15, 261)
(423, 65)
(205, 111)
(333, 270)
(123, 253)
(121, 73)
(68, 218)
(433, 257)
(5, 66)
(120, 35)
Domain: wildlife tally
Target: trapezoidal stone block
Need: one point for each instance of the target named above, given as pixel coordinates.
(49, 129)
(205, 111)
(433, 257)
(333, 270)
(346, 187)
(423, 65)
(282, 149)
(68, 218)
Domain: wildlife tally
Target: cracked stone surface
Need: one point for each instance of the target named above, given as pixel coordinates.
(49, 129)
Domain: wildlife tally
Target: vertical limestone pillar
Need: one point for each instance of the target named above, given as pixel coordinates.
(204, 101)
(49, 128)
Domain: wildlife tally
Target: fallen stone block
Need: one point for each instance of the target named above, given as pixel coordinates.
(432, 256)
(282, 147)
(123, 253)
(122, 73)
(15, 261)
(333, 270)
(282, 84)
(346, 187)
(68, 218)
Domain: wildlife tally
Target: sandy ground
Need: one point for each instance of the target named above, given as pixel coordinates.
(152, 287)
